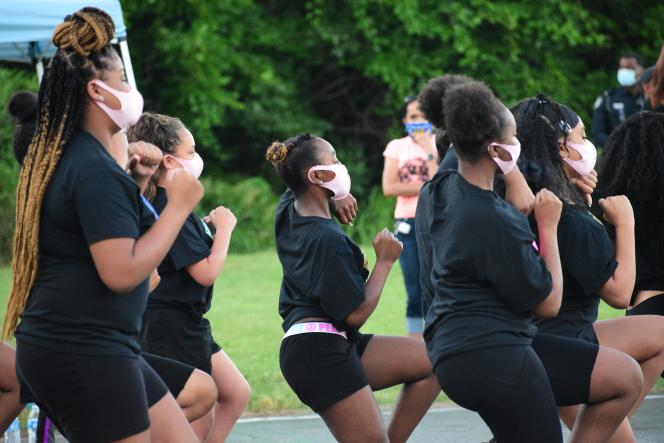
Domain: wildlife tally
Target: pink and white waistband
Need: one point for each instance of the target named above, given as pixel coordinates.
(313, 326)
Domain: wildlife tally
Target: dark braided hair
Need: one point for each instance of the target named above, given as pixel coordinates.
(22, 107)
(633, 165)
(292, 159)
(84, 50)
(431, 104)
(473, 118)
(540, 124)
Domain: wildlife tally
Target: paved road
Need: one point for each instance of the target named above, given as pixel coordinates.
(450, 424)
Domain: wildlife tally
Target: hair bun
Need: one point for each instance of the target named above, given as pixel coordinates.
(276, 153)
(22, 107)
(86, 31)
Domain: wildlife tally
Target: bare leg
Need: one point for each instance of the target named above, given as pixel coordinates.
(198, 395)
(234, 394)
(356, 419)
(390, 361)
(10, 406)
(615, 386)
(168, 424)
(642, 338)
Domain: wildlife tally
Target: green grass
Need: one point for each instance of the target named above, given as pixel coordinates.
(246, 324)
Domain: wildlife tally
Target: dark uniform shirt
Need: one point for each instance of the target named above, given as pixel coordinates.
(486, 276)
(324, 271)
(587, 256)
(89, 199)
(177, 288)
(612, 108)
(649, 235)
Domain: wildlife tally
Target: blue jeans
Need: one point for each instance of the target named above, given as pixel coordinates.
(410, 267)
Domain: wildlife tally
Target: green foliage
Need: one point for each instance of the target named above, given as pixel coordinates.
(376, 214)
(11, 80)
(253, 203)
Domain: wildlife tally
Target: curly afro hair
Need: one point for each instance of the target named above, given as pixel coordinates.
(632, 164)
(473, 118)
(540, 124)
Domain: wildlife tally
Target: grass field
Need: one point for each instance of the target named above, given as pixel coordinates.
(246, 324)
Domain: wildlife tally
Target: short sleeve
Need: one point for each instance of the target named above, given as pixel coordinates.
(392, 150)
(586, 251)
(189, 246)
(107, 206)
(514, 268)
(339, 287)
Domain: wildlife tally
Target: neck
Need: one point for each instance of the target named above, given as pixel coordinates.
(480, 174)
(310, 205)
(99, 128)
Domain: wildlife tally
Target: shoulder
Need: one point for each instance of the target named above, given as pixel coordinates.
(394, 147)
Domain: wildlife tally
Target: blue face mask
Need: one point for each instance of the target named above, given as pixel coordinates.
(411, 128)
(626, 77)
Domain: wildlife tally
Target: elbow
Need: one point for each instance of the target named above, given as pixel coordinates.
(204, 278)
(388, 192)
(550, 306)
(355, 320)
(617, 300)
(120, 285)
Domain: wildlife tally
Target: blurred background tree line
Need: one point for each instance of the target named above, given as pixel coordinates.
(242, 73)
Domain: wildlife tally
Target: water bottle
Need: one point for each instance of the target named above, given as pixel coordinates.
(33, 420)
(13, 433)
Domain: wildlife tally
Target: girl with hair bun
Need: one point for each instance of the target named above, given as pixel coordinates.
(327, 294)
(81, 264)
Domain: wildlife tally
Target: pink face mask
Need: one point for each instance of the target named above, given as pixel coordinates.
(588, 155)
(131, 105)
(193, 166)
(514, 151)
(339, 185)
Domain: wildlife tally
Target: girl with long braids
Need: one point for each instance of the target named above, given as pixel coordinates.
(487, 280)
(174, 325)
(327, 295)
(80, 264)
(554, 152)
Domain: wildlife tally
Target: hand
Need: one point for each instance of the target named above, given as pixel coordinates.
(425, 140)
(144, 159)
(346, 209)
(547, 209)
(387, 247)
(222, 219)
(182, 189)
(586, 185)
(154, 281)
(617, 210)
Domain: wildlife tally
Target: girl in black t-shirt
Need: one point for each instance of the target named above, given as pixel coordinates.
(327, 295)
(554, 152)
(488, 279)
(78, 245)
(174, 325)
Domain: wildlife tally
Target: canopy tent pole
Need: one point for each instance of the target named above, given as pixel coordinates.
(40, 70)
(126, 59)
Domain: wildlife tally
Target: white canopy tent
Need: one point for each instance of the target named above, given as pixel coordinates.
(26, 28)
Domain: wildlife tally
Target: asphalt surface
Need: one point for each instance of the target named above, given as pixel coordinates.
(449, 424)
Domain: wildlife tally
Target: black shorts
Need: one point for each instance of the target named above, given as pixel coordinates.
(508, 387)
(180, 336)
(569, 365)
(90, 398)
(650, 306)
(323, 368)
(173, 373)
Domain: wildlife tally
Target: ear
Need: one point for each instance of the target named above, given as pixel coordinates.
(493, 150)
(320, 177)
(95, 92)
(563, 149)
(169, 162)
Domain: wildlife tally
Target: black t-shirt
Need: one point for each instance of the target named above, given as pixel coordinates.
(450, 161)
(587, 256)
(485, 273)
(177, 288)
(649, 235)
(89, 199)
(324, 271)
